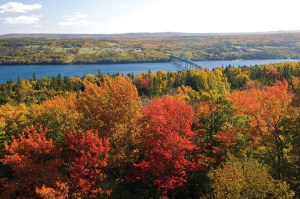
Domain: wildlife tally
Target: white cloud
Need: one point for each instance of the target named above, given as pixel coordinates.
(18, 7)
(77, 19)
(210, 16)
(38, 26)
(22, 20)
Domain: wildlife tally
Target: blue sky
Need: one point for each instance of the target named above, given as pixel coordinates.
(123, 16)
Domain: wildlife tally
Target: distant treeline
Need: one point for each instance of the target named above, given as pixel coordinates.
(151, 49)
(152, 84)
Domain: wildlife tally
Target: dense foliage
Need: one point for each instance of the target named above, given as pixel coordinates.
(148, 49)
(224, 133)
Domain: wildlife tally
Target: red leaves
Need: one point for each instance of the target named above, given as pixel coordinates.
(168, 114)
(87, 156)
(274, 72)
(145, 82)
(167, 139)
(34, 159)
(38, 162)
(225, 139)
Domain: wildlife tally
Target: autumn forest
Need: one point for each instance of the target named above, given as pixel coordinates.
(228, 132)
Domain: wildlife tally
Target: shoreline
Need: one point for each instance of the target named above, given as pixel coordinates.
(137, 62)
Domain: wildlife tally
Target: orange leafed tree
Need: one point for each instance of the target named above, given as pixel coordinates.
(115, 101)
(265, 107)
(114, 109)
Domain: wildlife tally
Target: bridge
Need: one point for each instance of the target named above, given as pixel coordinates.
(183, 59)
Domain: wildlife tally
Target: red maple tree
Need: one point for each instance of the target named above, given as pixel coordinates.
(87, 156)
(167, 140)
(34, 160)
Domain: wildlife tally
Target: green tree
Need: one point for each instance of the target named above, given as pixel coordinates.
(246, 178)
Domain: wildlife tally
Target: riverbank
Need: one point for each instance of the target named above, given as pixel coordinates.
(140, 62)
(8, 72)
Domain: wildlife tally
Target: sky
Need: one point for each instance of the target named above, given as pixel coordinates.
(124, 16)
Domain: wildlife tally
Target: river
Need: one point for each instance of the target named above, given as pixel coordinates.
(8, 72)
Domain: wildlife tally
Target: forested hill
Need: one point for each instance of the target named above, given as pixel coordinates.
(144, 48)
(122, 35)
(141, 34)
(224, 133)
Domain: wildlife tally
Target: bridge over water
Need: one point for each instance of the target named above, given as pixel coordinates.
(184, 60)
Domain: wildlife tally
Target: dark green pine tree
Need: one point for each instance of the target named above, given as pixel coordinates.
(34, 77)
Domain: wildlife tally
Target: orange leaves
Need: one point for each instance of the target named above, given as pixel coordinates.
(114, 108)
(274, 72)
(265, 107)
(206, 109)
(227, 138)
(61, 191)
(114, 101)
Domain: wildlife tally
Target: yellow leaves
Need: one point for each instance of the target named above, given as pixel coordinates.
(91, 78)
(187, 94)
(14, 119)
(219, 71)
(242, 77)
(2, 123)
(246, 179)
(115, 100)
(296, 83)
(58, 114)
(24, 85)
(211, 81)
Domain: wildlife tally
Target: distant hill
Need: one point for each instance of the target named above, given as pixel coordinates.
(125, 35)
(128, 35)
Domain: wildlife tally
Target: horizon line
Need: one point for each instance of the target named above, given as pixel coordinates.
(170, 32)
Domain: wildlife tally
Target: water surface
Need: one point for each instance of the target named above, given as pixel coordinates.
(8, 72)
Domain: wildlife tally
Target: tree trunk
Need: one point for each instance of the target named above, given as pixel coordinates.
(279, 153)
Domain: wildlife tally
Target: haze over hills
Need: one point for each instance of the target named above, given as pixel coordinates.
(128, 35)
